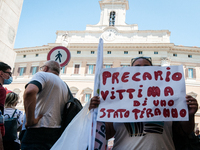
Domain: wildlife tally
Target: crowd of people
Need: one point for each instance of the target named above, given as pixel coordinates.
(44, 99)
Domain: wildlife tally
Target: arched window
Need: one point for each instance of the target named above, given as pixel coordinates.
(112, 18)
(74, 91)
(87, 94)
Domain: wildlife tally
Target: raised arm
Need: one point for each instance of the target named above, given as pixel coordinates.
(186, 127)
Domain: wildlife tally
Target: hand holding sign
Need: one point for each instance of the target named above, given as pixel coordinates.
(192, 105)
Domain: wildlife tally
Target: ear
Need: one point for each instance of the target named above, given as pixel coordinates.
(1, 72)
(46, 69)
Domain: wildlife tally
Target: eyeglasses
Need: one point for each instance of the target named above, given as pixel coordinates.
(10, 73)
(147, 58)
(41, 68)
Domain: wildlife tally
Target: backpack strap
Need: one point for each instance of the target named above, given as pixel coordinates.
(71, 99)
(7, 115)
(14, 113)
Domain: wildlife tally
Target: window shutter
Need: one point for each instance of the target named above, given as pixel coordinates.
(94, 69)
(186, 72)
(90, 95)
(37, 68)
(194, 73)
(19, 69)
(31, 69)
(86, 69)
(24, 69)
(76, 69)
(13, 71)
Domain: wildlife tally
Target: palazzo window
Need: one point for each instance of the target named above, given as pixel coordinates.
(125, 52)
(190, 73)
(125, 65)
(76, 68)
(155, 52)
(107, 66)
(90, 69)
(112, 18)
(74, 94)
(87, 97)
(140, 52)
(21, 71)
(108, 52)
(34, 69)
(63, 70)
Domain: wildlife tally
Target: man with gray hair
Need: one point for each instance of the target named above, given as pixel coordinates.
(44, 99)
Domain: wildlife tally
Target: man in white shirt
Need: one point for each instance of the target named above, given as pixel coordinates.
(44, 99)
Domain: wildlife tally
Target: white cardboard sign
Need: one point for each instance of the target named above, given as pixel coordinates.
(139, 94)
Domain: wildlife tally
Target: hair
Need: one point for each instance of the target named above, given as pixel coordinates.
(4, 66)
(53, 66)
(146, 58)
(11, 99)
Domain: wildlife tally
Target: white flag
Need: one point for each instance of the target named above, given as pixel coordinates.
(97, 139)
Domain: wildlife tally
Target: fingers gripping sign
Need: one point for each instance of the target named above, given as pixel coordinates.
(94, 103)
(192, 104)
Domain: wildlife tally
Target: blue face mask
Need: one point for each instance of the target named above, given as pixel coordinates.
(8, 81)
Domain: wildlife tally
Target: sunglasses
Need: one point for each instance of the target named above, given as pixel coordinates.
(41, 68)
(10, 73)
(136, 58)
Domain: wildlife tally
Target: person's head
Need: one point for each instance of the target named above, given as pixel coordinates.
(51, 66)
(5, 73)
(11, 100)
(141, 61)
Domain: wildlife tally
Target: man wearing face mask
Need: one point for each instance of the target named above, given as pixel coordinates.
(5, 78)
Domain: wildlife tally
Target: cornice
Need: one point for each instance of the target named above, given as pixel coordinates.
(125, 2)
(119, 31)
(33, 50)
(186, 49)
(170, 46)
(123, 45)
(43, 48)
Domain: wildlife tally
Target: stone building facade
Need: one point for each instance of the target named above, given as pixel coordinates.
(10, 11)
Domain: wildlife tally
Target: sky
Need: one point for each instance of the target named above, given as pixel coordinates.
(40, 19)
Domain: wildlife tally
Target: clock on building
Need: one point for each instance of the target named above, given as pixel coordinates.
(110, 34)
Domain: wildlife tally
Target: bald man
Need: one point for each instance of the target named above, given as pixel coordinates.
(44, 100)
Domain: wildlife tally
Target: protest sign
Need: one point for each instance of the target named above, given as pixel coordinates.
(140, 94)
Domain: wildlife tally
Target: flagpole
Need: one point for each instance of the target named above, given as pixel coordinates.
(99, 66)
